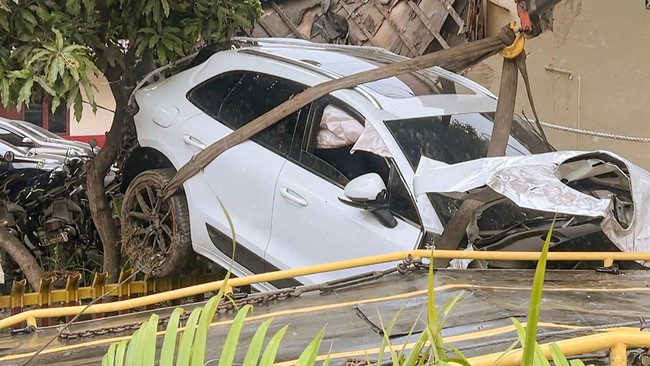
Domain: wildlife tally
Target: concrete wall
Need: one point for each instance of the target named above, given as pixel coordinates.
(606, 46)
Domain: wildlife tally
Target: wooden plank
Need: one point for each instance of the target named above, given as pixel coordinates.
(423, 18)
(396, 29)
(360, 26)
(287, 21)
(267, 28)
(452, 12)
(456, 228)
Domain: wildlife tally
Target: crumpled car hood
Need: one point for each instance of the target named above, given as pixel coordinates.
(540, 182)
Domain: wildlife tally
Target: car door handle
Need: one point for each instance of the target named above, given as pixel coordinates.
(193, 142)
(293, 196)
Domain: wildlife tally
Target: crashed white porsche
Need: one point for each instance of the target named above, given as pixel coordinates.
(576, 184)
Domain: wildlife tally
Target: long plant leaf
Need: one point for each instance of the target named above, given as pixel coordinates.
(131, 350)
(255, 347)
(120, 350)
(149, 338)
(185, 348)
(448, 308)
(169, 342)
(558, 357)
(109, 357)
(230, 345)
(268, 358)
(309, 354)
(385, 341)
(200, 339)
(535, 302)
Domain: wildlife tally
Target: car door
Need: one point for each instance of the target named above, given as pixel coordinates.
(243, 177)
(312, 226)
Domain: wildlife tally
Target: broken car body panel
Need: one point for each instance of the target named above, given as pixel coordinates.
(588, 184)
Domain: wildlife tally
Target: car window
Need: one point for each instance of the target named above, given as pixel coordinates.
(10, 137)
(238, 97)
(400, 200)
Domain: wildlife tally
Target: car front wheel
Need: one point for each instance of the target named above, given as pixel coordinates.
(155, 232)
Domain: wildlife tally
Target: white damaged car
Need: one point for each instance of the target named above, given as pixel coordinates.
(337, 179)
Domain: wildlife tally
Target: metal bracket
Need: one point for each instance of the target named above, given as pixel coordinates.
(517, 47)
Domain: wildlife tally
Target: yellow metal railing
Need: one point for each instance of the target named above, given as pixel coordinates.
(72, 294)
(30, 316)
(617, 342)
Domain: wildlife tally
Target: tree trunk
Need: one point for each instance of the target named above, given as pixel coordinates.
(27, 263)
(100, 209)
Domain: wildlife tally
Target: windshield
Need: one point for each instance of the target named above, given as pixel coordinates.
(37, 130)
(459, 138)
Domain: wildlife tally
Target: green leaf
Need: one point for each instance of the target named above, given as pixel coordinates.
(73, 47)
(558, 357)
(109, 357)
(119, 352)
(78, 107)
(28, 17)
(448, 308)
(268, 358)
(309, 354)
(535, 302)
(165, 5)
(153, 40)
(4, 91)
(147, 30)
(25, 92)
(200, 340)
(37, 56)
(169, 343)
(255, 347)
(88, 91)
(230, 345)
(148, 349)
(47, 88)
(58, 38)
(185, 348)
(131, 348)
(387, 332)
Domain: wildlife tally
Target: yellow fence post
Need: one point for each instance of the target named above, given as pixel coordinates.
(618, 355)
(45, 297)
(124, 291)
(17, 292)
(98, 289)
(71, 295)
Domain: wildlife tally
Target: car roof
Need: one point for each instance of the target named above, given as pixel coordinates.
(410, 95)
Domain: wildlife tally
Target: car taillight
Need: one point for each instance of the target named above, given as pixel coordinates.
(52, 226)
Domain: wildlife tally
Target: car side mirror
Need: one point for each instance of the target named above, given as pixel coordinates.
(27, 141)
(368, 192)
(92, 143)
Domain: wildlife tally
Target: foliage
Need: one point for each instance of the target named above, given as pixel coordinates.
(55, 47)
(141, 348)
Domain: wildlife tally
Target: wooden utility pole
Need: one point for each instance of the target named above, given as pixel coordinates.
(456, 228)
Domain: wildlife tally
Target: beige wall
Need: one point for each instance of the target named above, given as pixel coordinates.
(606, 46)
(95, 123)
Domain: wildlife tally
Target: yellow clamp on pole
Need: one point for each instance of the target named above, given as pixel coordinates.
(517, 47)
